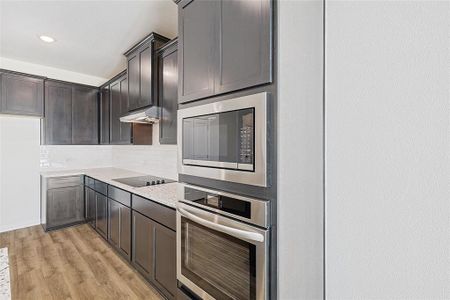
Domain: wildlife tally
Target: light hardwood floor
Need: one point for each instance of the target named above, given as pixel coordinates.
(71, 263)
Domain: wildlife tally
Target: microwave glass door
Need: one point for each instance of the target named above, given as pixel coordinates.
(221, 265)
(222, 140)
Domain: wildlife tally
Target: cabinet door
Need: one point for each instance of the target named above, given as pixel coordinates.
(101, 217)
(125, 230)
(115, 112)
(143, 235)
(114, 223)
(104, 115)
(65, 206)
(145, 76)
(90, 206)
(120, 132)
(125, 128)
(165, 260)
(84, 115)
(57, 129)
(21, 95)
(197, 47)
(134, 82)
(245, 43)
(168, 95)
(119, 234)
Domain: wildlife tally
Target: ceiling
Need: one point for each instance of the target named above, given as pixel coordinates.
(91, 36)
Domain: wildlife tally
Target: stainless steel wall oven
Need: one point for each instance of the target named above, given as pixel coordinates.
(225, 140)
(222, 244)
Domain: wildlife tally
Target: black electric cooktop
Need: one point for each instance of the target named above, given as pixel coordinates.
(141, 181)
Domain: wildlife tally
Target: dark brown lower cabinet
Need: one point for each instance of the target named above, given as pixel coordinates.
(165, 260)
(101, 216)
(145, 241)
(154, 253)
(119, 233)
(90, 206)
(143, 231)
(64, 206)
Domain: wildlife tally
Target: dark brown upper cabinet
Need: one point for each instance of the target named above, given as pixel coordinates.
(141, 71)
(21, 94)
(71, 114)
(197, 44)
(168, 92)
(245, 45)
(84, 115)
(104, 120)
(224, 46)
(57, 124)
(120, 133)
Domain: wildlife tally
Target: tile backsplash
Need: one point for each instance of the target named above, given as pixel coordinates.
(159, 160)
(65, 157)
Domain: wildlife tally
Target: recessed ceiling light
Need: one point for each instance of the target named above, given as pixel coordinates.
(47, 39)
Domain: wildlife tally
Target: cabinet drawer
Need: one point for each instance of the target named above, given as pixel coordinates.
(88, 181)
(100, 187)
(58, 182)
(155, 211)
(119, 195)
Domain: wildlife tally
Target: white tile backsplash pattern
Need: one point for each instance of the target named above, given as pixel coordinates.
(66, 157)
(158, 160)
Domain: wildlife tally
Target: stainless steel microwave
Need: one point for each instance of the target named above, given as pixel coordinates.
(225, 140)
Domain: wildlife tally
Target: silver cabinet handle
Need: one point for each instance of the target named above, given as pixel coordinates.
(242, 234)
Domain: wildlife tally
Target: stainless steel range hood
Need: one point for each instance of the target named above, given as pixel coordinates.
(148, 115)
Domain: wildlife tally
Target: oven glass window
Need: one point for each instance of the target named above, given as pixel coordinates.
(221, 265)
(222, 140)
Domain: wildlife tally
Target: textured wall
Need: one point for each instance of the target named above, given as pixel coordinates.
(387, 137)
(300, 150)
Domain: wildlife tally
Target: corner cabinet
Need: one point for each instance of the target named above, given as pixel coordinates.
(168, 92)
(57, 124)
(21, 94)
(141, 71)
(84, 115)
(224, 46)
(71, 114)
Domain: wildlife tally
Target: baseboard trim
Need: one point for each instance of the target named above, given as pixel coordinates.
(10, 227)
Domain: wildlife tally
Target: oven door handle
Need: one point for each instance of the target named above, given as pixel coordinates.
(238, 233)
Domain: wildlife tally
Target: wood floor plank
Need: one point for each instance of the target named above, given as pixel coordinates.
(70, 263)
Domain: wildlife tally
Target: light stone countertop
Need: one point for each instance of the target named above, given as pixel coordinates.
(165, 194)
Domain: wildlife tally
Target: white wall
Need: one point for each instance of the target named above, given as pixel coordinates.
(300, 150)
(19, 172)
(387, 136)
(50, 72)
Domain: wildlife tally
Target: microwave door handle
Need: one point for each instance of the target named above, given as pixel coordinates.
(238, 233)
